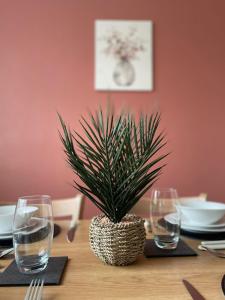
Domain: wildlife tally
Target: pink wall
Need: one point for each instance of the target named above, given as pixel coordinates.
(46, 65)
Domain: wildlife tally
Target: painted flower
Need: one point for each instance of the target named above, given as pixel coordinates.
(123, 46)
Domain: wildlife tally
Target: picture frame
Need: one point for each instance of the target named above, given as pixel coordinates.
(123, 55)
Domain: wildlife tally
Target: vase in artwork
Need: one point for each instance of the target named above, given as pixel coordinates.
(124, 73)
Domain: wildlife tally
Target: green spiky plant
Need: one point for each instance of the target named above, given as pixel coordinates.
(116, 161)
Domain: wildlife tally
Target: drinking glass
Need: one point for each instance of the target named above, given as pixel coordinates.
(165, 218)
(32, 233)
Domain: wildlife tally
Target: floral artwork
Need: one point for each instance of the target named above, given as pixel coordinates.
(123, 55)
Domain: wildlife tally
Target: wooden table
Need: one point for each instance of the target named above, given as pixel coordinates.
(86, 277)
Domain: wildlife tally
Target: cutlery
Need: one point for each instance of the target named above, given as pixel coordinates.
(34, 291)
(147, 225)
(214, 244)
(192, 291)
(212, 251)
(74, 222)
(72, 230)
(5, 252)
(223, 284)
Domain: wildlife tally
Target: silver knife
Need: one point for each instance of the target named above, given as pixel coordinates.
(192, 291)
(71, 231)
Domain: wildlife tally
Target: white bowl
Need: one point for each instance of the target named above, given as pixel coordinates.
(184, 200)
(202, 212)
(6, 218)
(23, 215)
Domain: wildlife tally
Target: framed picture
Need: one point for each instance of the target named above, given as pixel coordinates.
(123, 55)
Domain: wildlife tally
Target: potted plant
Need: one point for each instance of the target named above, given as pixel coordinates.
(117, 163)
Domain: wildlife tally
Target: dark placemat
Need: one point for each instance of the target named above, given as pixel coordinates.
(212, 236)
(9, 242)
(52, 274)
(151, 250)
(198, 235)
(6, 243)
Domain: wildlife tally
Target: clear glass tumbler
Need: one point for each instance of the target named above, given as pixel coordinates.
(165, 218)
(32, 233)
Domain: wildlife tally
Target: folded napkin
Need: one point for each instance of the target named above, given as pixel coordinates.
(52, 274)
(151, 250)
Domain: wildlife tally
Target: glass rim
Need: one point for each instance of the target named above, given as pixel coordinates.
(163, 192)
(164, 189)
(34, 197)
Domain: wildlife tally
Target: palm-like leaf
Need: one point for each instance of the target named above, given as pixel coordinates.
(116, 161)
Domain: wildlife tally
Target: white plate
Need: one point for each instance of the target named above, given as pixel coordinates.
(5, 233)
(6, 237)
(197, 228)
(203, 230)
(187, 223)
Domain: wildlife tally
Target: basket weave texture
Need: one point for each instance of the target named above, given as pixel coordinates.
(117, 244)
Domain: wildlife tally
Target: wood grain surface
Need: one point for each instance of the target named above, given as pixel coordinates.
(86, 277)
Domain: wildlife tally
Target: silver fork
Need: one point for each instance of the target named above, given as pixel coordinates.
(34, 292)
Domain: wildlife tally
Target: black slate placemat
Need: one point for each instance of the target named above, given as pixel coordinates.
(52, 274)
(151, 250)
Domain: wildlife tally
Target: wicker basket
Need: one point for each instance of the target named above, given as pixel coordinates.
(117, 244)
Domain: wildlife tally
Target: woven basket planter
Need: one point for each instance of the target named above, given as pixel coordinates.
(117, 244)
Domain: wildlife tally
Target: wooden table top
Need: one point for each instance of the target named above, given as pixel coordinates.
(86, 277)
